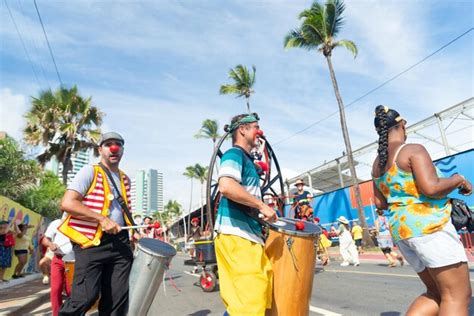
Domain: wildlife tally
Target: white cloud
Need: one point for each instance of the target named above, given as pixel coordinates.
(12, 108)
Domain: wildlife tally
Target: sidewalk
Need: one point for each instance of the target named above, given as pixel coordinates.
(374, 255)
(23, 295)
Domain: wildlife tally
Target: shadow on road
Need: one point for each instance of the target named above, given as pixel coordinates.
(203, 312)
(390, 314)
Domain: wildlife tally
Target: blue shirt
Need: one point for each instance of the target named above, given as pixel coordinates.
(82, 182)
(230, 219)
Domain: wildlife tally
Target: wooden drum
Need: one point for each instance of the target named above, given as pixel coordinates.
(292, 255)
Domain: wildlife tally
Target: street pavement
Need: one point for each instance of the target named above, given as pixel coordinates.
(370, 289)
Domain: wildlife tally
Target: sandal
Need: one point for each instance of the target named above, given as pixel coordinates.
(402, 263)
(392, 265)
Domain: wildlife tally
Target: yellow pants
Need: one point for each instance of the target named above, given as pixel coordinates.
(245, 275)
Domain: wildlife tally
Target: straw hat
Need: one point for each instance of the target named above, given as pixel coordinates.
(343, 220)
(299, 181)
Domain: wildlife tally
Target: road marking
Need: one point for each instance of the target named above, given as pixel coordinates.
(192, 274)
(322, 311)
(378, 273)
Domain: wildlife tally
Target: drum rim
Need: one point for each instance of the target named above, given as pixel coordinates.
(295, 232)
(154, 254)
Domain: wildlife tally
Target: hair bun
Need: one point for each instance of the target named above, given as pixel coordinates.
(226, 128)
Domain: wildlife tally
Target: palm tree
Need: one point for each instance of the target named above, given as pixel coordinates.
(173, 209)
(320, 26)
(209, 130)
(200, 173)
(190, 174)
(64, 123)
(243, 83)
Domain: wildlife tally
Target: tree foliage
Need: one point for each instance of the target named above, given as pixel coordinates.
(62, 122)
(17, 174)
(243, 81)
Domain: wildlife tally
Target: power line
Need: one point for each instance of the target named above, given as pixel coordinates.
(22, 42)
(35, 46)
(376, 88)
(47, 41)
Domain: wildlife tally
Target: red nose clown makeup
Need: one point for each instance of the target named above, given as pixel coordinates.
(114, 149)
(259, 132)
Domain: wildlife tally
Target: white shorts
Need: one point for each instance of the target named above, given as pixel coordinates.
(440, 249)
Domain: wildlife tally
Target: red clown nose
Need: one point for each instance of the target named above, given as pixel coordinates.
(259, 132)
(114, 149)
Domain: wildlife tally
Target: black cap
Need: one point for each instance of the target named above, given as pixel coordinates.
(111, 135)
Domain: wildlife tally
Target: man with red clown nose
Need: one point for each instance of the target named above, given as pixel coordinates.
(97, 203)
(245, 273)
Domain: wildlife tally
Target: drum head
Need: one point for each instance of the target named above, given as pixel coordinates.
(156, 247)
(288, 226)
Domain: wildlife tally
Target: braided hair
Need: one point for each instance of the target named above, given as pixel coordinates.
(385, 119)
(382, 131)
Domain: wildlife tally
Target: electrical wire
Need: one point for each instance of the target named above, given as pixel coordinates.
(22, 43)
(376, 88)
(47, 41)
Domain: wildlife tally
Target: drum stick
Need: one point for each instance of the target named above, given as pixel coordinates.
(156, 225)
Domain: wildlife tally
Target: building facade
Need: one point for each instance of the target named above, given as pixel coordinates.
(78, 159)
(147, 191)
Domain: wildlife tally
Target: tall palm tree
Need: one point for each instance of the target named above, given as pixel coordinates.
(209, 130)
(64, 123)
(200, 173)
(318, 31)
(190, 174)
(243, 83)
(173, 209)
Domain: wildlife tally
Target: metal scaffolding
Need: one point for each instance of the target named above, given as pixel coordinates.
(445, 133)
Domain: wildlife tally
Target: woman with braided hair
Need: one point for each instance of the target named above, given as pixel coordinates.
(415, 192)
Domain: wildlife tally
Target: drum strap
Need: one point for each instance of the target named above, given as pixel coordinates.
(123, 205)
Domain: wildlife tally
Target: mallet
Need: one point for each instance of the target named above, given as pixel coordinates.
(155, 225)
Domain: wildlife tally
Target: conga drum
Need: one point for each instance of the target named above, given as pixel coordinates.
(292, 255)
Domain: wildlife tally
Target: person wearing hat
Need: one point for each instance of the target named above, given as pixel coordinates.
(245, 272)
(302, 197)
(194, 235)
(415, 192)
(102, 250)
(347, 246)
(147, 232)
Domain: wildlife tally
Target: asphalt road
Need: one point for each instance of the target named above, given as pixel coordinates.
(370, 289)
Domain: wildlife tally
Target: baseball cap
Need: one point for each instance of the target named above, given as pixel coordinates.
(110, 135)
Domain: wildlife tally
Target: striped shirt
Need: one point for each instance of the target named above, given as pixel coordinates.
(230, 219)
(81, 184)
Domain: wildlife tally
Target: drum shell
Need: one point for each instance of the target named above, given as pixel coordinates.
(205, 252)
(145, 279)
(292, 280)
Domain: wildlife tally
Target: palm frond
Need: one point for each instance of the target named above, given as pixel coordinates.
(349, 45)
(334, 10)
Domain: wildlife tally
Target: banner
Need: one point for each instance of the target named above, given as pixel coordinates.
(15, 213)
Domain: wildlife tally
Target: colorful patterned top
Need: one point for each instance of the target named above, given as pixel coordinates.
(412, 214)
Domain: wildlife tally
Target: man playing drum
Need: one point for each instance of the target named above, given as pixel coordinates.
(244, 269)
(102, 250)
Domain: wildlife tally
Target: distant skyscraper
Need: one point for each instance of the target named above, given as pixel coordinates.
(79, 160)
(147, 191)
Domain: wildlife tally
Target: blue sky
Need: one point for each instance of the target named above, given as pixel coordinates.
(155, 68)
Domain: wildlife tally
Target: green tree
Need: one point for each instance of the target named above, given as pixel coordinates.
(320, 26)
(209, 130)
(243, 83)
(62, 122)
(173, 208)
(17, 174)
(46, 197)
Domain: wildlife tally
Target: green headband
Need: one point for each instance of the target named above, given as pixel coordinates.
(245, 120)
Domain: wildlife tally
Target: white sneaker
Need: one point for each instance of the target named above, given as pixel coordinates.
(344, 264)
(45, 280)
